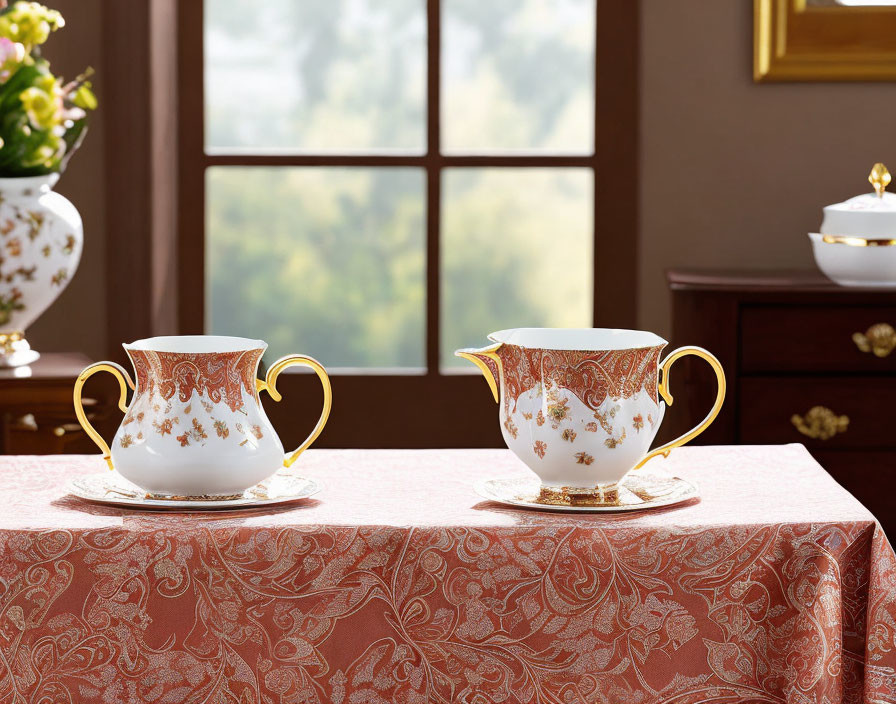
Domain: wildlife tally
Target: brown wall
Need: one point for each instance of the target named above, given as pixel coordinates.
(734, 174)
(77, 320)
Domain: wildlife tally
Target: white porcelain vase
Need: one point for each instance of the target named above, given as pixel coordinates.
(41, 236)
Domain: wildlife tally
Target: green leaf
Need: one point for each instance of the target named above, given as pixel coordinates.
(23, 78)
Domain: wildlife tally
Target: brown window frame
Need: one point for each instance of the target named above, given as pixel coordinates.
(429, 409)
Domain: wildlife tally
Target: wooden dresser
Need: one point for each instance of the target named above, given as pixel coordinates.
(37, 414)
(806, 361)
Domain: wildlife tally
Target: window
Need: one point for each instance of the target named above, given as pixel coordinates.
(384, 181)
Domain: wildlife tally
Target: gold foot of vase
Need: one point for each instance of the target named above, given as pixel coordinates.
(15, 350)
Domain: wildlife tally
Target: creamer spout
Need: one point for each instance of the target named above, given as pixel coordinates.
(489, 364)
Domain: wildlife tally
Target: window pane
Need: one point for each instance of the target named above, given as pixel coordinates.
(518, 75)
(517, 248)
(324, 261)
(315, 75)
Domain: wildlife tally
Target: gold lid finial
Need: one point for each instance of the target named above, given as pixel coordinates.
(879, 178)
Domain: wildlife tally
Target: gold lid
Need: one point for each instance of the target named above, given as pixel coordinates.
(879, 178)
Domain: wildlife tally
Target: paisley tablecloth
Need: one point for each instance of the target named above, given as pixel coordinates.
(398, 584)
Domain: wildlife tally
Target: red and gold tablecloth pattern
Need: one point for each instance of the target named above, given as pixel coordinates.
(397, 584)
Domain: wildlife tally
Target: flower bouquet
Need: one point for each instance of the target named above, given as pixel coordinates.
(42, 119)
(42, 122)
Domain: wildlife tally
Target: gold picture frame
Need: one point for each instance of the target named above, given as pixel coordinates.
(802, 40)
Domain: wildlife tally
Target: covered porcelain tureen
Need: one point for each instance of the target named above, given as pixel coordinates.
(857, 242)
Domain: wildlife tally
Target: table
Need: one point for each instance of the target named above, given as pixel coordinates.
(398, 584)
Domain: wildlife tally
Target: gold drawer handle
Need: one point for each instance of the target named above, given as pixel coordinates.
(879, 339)
(820, 423)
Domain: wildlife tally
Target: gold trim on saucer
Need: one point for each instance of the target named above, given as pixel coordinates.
(198, 497)
(636, 492)
(574, 496)
(170, 497)
(856, 241)
(107, 488)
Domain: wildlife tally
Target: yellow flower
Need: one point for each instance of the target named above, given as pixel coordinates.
(41, 107)
(47, 83)
(29, 23)
(84, 97)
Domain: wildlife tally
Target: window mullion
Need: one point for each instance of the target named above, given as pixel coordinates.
(433, 183)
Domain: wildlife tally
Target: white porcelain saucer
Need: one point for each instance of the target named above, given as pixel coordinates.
(638, 491)
(112, 489)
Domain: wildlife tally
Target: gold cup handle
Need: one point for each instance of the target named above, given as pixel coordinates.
(124, 381)
(663, 388)
(270, 385)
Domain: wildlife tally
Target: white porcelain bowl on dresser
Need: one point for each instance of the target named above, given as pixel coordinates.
(857, 242)
(855, 264)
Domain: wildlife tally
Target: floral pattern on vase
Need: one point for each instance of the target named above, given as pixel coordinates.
(41, 237)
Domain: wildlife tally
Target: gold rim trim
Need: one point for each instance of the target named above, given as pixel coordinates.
(856, 241)
(270, 385)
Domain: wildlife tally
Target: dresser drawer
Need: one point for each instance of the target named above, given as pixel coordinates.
(767, 406)
(818, 338)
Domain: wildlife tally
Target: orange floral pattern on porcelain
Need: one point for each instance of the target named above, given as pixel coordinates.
(591, 376)
(221, 376)
(219, 380)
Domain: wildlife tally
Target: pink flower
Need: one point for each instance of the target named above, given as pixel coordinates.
(11, 56)
(11, 51)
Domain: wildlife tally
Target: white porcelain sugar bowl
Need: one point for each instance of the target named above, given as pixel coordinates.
(857, 242)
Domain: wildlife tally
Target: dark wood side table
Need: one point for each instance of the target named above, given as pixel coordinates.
(806, 361)
(37, 415)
